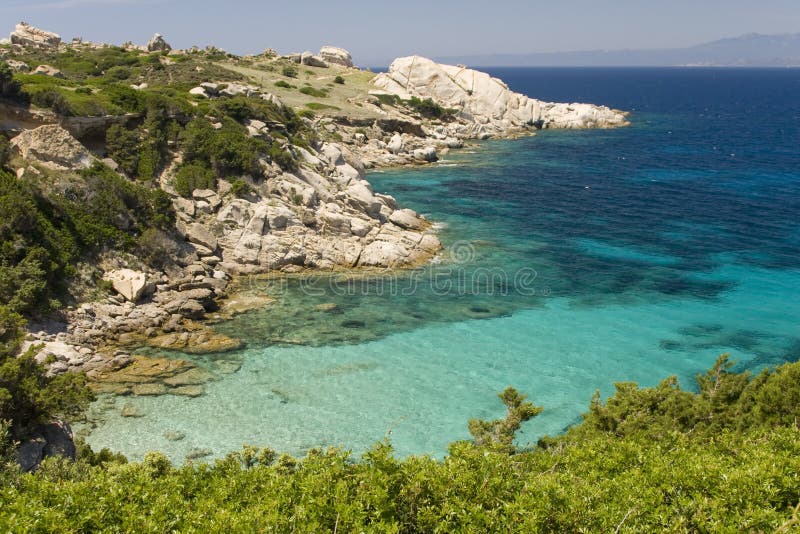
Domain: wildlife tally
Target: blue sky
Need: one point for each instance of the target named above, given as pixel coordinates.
(377, 31)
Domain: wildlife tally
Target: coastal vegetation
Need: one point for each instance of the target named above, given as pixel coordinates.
(723, 458)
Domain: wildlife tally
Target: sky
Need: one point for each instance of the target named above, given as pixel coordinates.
(375, 31)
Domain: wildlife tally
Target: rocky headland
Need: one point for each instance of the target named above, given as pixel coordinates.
(315, 211)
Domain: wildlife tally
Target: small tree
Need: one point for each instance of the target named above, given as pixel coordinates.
(501, 432)
(28, 396)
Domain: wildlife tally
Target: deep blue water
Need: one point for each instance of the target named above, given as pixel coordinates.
(574, 259)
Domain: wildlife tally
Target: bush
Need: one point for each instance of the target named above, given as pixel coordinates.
(317, 106)
(428, 108)
(118, 73)
(122, 145)
(310, 91)
(240, 188)
(4, 150)
(193, 176)
(289, 71)
(8, 86)
(28, 397)
(339, 80)
(284, 85)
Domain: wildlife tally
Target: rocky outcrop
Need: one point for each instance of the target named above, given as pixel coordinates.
(26, 35)
(53, 147)
(309, 59)
(323, 216)
(53, 439)
(158, 44)
(485, 101)
(48, 70)
(336, 56)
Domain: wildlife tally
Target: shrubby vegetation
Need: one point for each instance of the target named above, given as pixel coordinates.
(636, 464)
(428, 108)
(193, 176)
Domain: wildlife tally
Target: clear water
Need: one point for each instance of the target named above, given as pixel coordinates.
(574, 260)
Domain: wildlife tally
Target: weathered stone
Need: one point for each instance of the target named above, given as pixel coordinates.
(336, 55)
(26, 35)
(130, 284)
(197, 233)
(189, 391)
(48, 70)
(407, 219)
(129, 410)
(309, 59)
(173, 435)
(149, 389)
(52, 146)
(158, 44)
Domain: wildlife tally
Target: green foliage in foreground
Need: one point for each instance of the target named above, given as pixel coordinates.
(43, 234)
(28, 396)
(654, 475)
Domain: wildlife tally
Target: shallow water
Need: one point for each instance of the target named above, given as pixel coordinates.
(573, 260)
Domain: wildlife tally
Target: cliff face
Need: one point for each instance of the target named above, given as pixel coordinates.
(487, 101)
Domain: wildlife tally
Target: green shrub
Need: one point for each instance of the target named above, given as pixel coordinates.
(4, 150)
(122, 145)
(282, 157)
(285, 85)
(317, 93)
(28, 396)
(289, 71)
(8, 85)
(118, 73)
(317, 106)
(388, 100)
(240, 188)
(339, 80)
(193, 176)
(125, 98)
(428, 108)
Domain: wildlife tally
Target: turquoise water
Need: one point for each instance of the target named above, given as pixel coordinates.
(573, 260)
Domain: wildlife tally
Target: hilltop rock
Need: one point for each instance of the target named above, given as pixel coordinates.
(307, 58)
(158, 44)
(485, 101)
(53, 147)
(336, 56)
(26, 35)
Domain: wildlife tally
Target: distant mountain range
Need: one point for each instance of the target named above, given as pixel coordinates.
(751, 50)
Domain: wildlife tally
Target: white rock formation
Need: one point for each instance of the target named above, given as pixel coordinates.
(487, 101)
(309, 59)
(128, 283)
(26, 35)
(53, 147)
(48, 70)
(336, 56)
(324, 218)
(158, 44)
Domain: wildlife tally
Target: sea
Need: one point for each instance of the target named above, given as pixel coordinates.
(573, 260)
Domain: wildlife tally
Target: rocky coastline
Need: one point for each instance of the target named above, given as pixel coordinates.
(322, 216)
